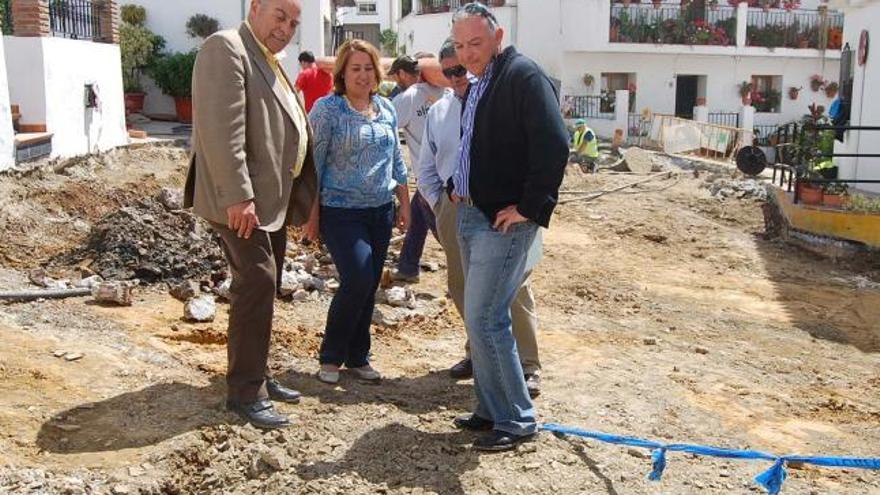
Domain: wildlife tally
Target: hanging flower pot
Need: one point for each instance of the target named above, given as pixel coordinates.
(793, 92)
(816, 82)
(657, 3)
(831, 89)
(589, 80)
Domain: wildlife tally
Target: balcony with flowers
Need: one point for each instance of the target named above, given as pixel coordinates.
(676, 23)
(735, 23)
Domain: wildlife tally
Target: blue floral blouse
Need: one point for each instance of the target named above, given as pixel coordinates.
(358, 161)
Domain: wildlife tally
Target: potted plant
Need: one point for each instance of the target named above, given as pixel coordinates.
(701, 101)
(809, 193)
(137, 48)
(817, 82)
(589, 80)
(657, 3)
(745, 92)
(831, 89)
(498, 3)
(834, 194)
(173, 75)
(835, 38)
(793, 92)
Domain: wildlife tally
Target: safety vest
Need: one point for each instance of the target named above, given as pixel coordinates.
(589, 149)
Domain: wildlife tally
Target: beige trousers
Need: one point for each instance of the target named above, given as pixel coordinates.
(522, 310)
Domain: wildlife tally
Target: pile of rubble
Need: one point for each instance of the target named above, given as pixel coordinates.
(725, 187)
(151, 241)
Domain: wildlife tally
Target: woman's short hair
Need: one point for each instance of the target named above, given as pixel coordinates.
(344, 53)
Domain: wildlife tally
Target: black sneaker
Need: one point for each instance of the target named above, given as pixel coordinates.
(473, 422)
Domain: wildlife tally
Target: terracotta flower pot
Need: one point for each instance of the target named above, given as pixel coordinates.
(134, 102)
(747, 100)
(701, 101)
(809, 194)
(183, 105)
(834, 200)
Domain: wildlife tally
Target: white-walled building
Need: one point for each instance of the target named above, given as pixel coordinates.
(62, 71)
(7, 136)
(314, 33)
(861, 17)
(658, 51)
(366, 19)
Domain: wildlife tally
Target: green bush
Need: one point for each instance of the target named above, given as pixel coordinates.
(173, 73)
(136, 46)
(201, 26)
(134, 15)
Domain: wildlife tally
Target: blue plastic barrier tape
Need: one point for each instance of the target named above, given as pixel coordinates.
(771, 480)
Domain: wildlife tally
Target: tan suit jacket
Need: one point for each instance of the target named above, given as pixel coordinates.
(244, 140)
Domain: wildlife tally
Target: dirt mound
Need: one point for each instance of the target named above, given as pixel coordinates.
(148, 242)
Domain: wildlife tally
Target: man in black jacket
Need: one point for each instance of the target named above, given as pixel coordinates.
(514, 147)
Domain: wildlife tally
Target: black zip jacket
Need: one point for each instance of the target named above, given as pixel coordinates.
(520, 143)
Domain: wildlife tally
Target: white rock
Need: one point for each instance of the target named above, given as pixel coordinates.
(401, 297)
(200, 309)
(289, 284)
(114, 292)
(222, 290)
(384, 318)
(301, 295)
(331, 285)
(89, 282)
(73, 356)
(171, 199)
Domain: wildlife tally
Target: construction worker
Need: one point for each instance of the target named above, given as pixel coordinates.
(586, 147)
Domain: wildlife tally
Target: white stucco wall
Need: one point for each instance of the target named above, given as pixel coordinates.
(69, 66)
(24, 69)
(656, 79)
(426, 32)
(7, 145)
(47, 78)
(866, 99)
(170, 23)
(383, 17)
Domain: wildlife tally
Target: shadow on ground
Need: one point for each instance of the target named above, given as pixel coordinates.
(400, 456)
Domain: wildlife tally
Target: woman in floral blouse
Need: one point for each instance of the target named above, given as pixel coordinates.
(357, 155)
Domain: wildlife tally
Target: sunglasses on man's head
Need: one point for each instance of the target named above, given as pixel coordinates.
(457, 71)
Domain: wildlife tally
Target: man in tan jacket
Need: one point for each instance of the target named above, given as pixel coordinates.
(251, 174)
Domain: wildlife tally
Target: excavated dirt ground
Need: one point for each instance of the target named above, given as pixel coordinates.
(665, 315)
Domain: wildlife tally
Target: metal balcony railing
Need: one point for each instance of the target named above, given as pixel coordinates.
(795, 29)
(686, 22)
(728, 119)
(438, 6)
(75, 19)
(588, 107)
(677, 23)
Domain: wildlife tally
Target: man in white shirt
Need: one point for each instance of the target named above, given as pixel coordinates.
(412, 111)
(436, 164)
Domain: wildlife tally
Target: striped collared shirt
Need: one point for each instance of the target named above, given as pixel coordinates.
(461, 176)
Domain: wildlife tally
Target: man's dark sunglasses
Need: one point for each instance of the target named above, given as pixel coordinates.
(457, 71)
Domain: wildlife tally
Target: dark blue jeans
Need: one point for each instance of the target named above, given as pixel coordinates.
(414, 242)
(358, 242)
